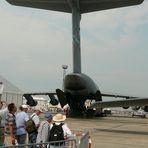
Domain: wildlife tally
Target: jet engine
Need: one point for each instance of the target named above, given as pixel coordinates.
(30, 101)
(145, 108)
(126, 107)
(135, 108)
(53, 100)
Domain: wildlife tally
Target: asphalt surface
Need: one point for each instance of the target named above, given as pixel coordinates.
(113, 132)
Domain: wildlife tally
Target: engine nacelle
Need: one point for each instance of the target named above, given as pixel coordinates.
(145, 108)
(54, 102)
(135, 108)
(30, 101)
(126, 107)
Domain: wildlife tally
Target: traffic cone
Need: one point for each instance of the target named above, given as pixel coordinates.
(89, 142)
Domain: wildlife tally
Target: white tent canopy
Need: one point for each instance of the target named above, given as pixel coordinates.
(11, 93)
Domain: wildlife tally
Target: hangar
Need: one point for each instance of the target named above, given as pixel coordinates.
(11, 93)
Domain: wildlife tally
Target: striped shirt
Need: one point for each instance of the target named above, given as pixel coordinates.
(43, 132)
(10, 120)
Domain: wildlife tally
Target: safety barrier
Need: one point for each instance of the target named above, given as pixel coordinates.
(70, 143)
(79, 140)
(82, 139)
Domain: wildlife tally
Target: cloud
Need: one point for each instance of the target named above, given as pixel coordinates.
(35, 43)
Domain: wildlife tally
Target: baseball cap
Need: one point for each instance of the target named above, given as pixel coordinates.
(25, 106)
(48, 115)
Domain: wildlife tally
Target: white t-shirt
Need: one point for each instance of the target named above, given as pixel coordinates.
(36, 119)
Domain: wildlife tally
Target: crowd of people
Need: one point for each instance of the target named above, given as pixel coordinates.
(14, 130)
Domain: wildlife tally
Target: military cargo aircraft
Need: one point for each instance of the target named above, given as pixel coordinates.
(78, 87)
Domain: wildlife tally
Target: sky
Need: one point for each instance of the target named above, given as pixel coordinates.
(34, 44)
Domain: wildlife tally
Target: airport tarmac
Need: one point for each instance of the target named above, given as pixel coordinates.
(113, 132)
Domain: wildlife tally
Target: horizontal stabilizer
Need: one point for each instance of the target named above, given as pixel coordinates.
(65, 5)
(120, 103)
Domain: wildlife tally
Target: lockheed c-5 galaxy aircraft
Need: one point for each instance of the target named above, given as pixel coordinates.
(78, 87)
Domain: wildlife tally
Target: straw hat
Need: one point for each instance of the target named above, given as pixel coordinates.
(59, 117)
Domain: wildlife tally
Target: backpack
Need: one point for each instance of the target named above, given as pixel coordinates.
(56, 134)
(30, 126)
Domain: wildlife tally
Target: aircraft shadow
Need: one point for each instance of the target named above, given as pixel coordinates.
(123, 131)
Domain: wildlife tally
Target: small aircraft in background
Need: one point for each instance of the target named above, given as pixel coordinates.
(78, 87)
(1, 89)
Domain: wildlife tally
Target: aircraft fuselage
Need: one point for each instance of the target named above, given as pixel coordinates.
(78, 88)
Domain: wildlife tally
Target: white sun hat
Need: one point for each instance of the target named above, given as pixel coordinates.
(59, 117)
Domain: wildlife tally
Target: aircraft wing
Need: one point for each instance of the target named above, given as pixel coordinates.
(117, 96)
(42, 93)
(120, 103)
(32, 102)
(85, 6)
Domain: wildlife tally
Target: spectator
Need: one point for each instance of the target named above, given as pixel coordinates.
(3, 112)
(36, 120)
(59, 120)
(10, 125)
(21, 118)
(43, 130)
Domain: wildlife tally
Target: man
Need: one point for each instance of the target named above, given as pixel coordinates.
(65, 132)
(21, 118)
(3, 112)
(43, 130)
(10, 125)
(36, 120)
